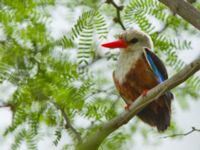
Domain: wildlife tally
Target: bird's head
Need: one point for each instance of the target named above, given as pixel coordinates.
(131, 40)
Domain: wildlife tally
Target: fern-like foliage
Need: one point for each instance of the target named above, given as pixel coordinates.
(139, 11)
(28, 137)
(136, 11)
(18, 139)
(89, 22)
(58, 134)
(168, 47)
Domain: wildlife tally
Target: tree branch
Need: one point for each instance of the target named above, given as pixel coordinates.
(98, 58)
(5, 105)
(191, 1)
(118, 9)
(8, 105)
(183, 134)
(68, 124)
(107, 128)
(185, 10)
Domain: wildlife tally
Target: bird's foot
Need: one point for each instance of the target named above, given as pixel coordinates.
(127, 106)
(144, 93)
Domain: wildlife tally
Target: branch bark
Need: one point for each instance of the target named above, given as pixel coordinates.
(185, 10)
(107, 128)
(5, 105)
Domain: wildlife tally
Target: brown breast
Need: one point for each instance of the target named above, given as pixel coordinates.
(139, 78)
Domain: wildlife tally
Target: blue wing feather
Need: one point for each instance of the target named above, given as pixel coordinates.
(157, 65)
(155, 69)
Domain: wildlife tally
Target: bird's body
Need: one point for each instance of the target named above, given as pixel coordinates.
(132, 82)
(138, 69)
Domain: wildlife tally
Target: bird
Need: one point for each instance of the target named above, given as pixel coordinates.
(138, 70)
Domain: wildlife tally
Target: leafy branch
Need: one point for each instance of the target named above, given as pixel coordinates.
(183, 134)
(117, 20)
(68, 124)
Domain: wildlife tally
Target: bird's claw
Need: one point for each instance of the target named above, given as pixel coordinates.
(127, 106)
(144, 93)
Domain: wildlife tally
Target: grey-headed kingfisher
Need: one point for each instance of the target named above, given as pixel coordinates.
(138, 70)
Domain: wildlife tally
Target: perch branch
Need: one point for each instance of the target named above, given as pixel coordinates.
(107, 128)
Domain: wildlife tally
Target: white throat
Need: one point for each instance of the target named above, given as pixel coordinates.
(126, 61)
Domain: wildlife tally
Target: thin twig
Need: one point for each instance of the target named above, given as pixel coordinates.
(118, 9)
(96, 59)
(163, 29)
(68, 124)
(165, 25)
(183, 134)
(6, 105)
(101, 91)
(3, 105)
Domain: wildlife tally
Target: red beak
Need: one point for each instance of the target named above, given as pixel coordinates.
(115, 44)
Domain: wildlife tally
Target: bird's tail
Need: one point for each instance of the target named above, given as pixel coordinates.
(158, 113)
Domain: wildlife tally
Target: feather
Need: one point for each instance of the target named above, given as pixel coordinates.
(156, 65)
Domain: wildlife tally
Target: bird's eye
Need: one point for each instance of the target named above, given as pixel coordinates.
(134, 40)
